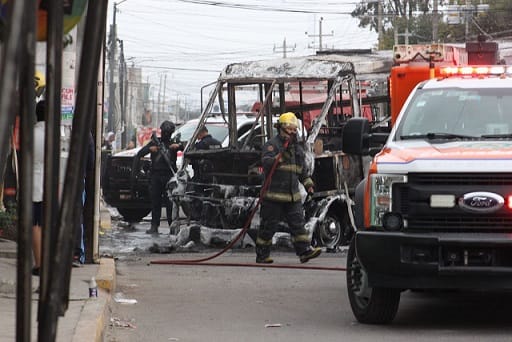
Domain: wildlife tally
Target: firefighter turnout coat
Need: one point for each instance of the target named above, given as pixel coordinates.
(284, 186)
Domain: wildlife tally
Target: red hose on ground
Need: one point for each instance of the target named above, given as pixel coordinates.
(234, 264)
(244, 230)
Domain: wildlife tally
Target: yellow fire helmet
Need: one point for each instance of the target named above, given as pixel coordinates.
(39, 83)
(288, 119)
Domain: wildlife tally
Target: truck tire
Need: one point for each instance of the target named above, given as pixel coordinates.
(134, 214)
(370, 305)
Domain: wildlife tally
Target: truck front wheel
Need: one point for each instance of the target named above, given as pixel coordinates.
(369, 305)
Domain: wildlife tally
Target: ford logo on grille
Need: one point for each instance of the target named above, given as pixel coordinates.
(481, 202)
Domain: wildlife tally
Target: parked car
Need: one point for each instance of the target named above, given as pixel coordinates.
(116, 186)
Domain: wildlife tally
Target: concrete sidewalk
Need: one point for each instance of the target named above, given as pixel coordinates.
(84, 318)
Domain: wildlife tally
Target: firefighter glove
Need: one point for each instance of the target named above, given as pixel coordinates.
(310, 191)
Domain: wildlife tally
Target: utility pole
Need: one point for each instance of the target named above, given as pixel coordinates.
(395, 29)
(186, 109)
(177, 108)
(406, 25)
(379, 23)
(466, 19)
(159, 102)
(435, 21)
(163, 101)
(284, 49)
(112, 67)
(112, 115)
(122, 93)
(320, 35)
(407, 34)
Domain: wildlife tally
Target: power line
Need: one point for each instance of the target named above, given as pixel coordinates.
(259, 7)
(175, 68)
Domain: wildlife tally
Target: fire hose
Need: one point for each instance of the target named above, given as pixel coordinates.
(245, 228)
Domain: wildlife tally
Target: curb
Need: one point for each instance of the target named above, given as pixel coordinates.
(92, 319)
(106, 275)
(94, 312)
(105, 219)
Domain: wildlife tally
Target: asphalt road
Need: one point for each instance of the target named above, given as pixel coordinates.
(205, 303)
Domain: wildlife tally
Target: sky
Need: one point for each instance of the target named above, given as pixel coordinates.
(184, 44)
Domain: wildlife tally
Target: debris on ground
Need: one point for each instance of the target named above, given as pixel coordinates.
(119, 323)
(120, 298)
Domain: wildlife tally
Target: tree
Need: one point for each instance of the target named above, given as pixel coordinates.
(414, 19)
(496, 22)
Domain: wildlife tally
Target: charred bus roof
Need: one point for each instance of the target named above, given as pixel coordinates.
(325, 66)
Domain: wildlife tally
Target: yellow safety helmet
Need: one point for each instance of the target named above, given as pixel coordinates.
(288, 119)
(39, 83)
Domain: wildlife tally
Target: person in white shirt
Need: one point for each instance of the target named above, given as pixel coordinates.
(38, 181)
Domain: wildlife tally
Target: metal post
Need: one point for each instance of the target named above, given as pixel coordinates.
(406, 25)
(89, 64)
(166, 116)
(379, 23)
(27, 108)
(11, 53)
(52, 150)
(320, 34)
(92, 249)
(122, 99)
(112, 66)
(435, 21)
(20, 31)
(466, 19)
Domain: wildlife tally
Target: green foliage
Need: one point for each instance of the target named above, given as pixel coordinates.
(8, 221)
(416, 17)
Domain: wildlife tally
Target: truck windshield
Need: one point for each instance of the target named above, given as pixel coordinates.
(455, 113)
(218, 130)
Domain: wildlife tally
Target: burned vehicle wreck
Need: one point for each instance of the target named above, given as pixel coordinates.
(226, 182)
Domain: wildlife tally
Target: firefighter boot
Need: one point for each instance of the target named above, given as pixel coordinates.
(153, 230)
(311, 253)
(263, 255)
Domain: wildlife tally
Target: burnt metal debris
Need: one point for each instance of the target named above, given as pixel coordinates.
(324, 92)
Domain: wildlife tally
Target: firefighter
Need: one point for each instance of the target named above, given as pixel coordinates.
(282, 200)
(163, 157)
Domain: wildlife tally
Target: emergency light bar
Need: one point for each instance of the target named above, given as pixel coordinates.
(477, 70)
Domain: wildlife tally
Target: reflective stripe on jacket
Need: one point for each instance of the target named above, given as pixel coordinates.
(284, 186)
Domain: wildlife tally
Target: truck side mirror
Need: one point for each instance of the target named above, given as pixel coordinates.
(356, 137)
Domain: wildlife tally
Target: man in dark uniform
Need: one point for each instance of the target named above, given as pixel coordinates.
(201, 167)
(163, 165)
(205, 141)
(282, 200)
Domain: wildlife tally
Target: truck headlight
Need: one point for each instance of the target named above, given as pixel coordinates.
(381, 195)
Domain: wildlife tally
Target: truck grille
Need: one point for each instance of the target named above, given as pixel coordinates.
(121, 168)
(468, 179)
(460, 223)
(413, 201)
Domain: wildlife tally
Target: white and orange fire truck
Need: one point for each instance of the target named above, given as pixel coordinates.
(435, 210)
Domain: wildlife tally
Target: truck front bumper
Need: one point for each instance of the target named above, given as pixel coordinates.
(436, 260)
